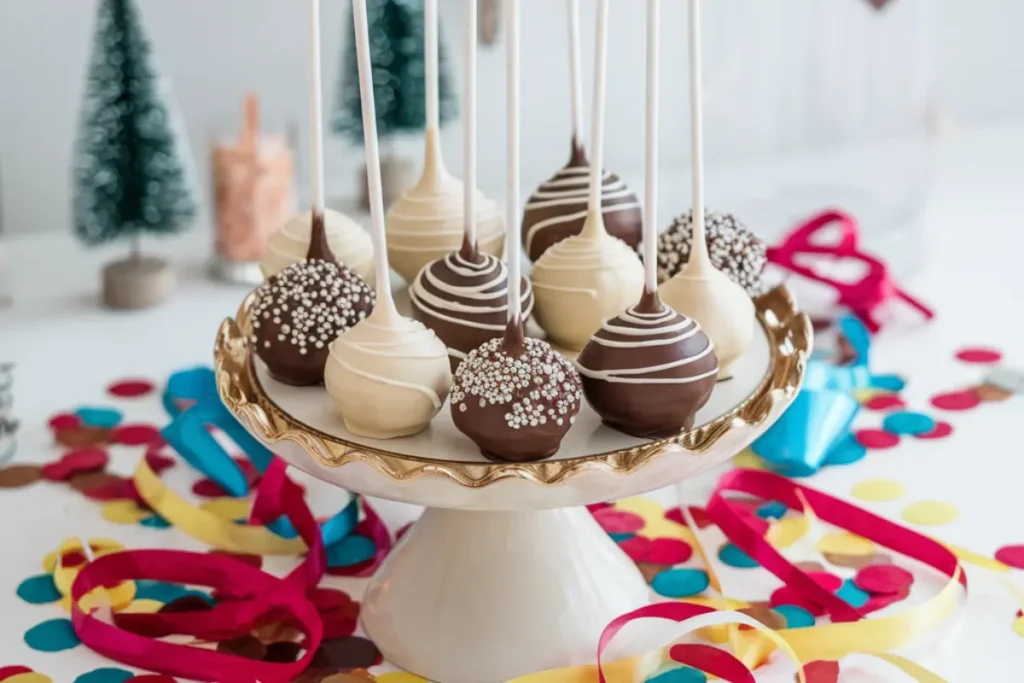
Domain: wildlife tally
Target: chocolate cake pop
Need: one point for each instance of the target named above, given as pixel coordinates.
(348, 241)
(733, 249)
(647, 371)
(301, 310)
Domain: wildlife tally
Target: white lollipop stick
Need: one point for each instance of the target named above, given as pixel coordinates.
(699, 257)
(651, 142)
(316, 109)
(469, 123)
(596, 222)
(575, 85)
(430, 68)
(512, 201)
(385, 302)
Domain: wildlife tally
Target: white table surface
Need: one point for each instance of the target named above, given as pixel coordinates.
(67, 349)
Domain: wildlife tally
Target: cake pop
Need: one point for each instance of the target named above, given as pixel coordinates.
(426, 223)
(462, 297)
(647, 371)
(700, 290)
(558, 208)
(583, 280)
(348, 241)
(515, 397)
(388, 375)
(734, 250)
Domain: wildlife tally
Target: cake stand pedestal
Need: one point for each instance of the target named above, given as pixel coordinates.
(507, 573)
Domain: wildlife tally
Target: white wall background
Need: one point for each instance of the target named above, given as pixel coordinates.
(781, 75)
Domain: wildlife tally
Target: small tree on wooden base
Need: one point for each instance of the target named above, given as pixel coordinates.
(131, 174)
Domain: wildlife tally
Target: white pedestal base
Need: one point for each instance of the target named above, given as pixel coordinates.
(483, 597)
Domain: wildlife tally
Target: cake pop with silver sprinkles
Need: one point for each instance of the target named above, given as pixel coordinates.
(733, 249)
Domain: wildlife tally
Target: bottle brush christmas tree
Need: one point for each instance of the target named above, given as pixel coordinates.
(131, 174)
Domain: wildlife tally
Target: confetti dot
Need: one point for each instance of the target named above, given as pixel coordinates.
(106, 418)
(941, 431)
(400, 677)
(906, 422)
(883, 579)
(989, 393)
(124, 512)
(155, 522)
(930, 513)
(1012, 555)
(854, 596)
(856, 561)
(845, 543)
(884, 402)
(637, 548)
(142, 606)
(208, 488)
(773, 509)
(821, 671)
(795, 616)
(877, 439)
(680, 583)
(7, 671)
(683, 674)
(52, 636)
(76, 461)
(878, 490)
(732, 556)
(618, 538)
(749, 460)
(668, 551)
(138, 435)
(1018, 626)
(31, 677)
(878, 602)
(351, 550)
(65, 421)
(846, 452)
(619, 521)
(158, 591)
(829, 582)
(979, 355)
(957, 400)
(105, 675)
(39, 590)
(788, 596)
(893, 383)
(130, 388)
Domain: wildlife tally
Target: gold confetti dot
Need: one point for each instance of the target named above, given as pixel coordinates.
(749, 460)
(930, 513)
(785, 532)
(400, 677)
(31, 677)
(845, 544)
(879, 490)
(1018, 627)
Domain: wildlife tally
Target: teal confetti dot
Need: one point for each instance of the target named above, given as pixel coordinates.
(100, 417)
(888, 382)
(796, 617)
(680, 583)
(683, 674)
(52, 636)
(905, 422)
(621, 538)
(39, 590)
(732, 556)
(155, 522)
(773, 509)
(846, 452)
(105, 675)
(351, 550)
(158, 590)
(853, 596)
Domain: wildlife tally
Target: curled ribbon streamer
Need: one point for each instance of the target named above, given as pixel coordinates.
(863, 297)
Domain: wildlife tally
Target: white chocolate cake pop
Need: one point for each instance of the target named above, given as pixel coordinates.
(701, 291)
(349, 242)
(583, 280)
(388, 375)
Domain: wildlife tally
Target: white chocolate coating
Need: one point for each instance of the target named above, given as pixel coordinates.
(581, 282)
(720, 306)
(388, 376)
(350, 243)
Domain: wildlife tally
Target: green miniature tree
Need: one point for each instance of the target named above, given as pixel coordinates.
(399, 89)
(131, 175)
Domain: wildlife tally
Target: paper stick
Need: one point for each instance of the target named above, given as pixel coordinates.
(512, 200)
(380, 250)
(597, 131)
(699, 252)
(430, 68)
(469, 124)
(575, 85)
(316, 108)
(651, 142)
(251, 122)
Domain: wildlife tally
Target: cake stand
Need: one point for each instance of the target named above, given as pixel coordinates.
(506, 572)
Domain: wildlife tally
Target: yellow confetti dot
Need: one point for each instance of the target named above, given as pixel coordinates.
(785, 532)
(1018, 626)
(749, 460)
(653, 514)
(930, 512)
(228, 508)
(878, 490)
(845, 544)
(142, 606)
(865, 395)
(124, 512)
(31, 677)
(116, 598)
(400, 677)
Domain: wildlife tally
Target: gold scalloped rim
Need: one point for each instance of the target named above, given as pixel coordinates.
(789, 335)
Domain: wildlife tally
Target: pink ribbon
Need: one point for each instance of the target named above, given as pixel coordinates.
(864, 297)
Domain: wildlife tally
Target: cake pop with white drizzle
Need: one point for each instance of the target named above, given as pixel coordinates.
(583, 280)
(515, 397)
(389, 375)
(463, 296)
(427, 223)
(347, 239)
(647, 371)
(701, 291)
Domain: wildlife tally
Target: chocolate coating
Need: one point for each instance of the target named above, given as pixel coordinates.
(463, 299)
(733, 249)
(558, 208)
(648, 371)
(515, 397)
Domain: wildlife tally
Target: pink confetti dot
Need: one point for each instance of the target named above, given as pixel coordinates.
(821, 671)
(137, 435)
(700, 518)
(65, 421)
(885, 402)
(130, 388)
(957, 400)
(208, 488)
(979, 354)
(638, 548)
(877, 439)
(9, 671)
(1012, 555)
(788, 596)
(668, 551)
(883, 579)
(941, 431)
(829, 582)
(878, 602)
(619, 521)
